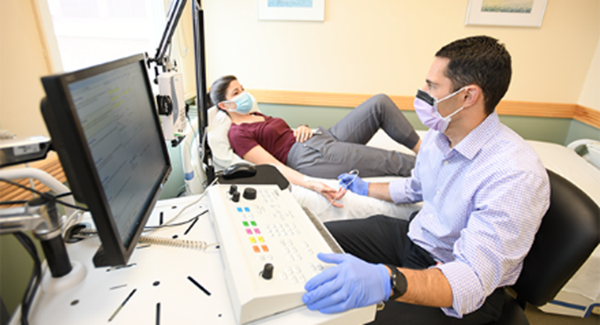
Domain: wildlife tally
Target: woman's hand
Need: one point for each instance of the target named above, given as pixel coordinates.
(258, 155)
(331, 194)
(303, 133)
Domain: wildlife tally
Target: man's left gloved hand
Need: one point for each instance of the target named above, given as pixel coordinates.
(352, 283)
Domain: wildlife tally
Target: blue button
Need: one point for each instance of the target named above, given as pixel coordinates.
(240, 209)
(247, 209)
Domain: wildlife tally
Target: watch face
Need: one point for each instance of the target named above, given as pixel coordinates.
(399, 284)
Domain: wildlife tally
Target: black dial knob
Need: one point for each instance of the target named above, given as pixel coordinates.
(267, 272)
(249, 193)
(232, 189)
(235, 197)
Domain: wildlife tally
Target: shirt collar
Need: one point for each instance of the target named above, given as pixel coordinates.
(474, 141)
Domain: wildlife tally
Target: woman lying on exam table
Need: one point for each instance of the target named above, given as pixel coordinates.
(261, 139)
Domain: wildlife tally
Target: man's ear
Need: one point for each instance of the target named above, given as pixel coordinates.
(472, 95)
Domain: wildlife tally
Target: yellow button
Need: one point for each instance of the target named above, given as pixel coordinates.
(252, 240)
(260, 239)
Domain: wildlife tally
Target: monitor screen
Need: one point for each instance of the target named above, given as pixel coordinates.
(104, 126)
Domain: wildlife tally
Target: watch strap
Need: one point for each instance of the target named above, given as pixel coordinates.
(398, 283)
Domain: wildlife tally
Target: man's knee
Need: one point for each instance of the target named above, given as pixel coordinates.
(353, 227)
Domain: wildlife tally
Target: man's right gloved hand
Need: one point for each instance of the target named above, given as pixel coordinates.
(354, 184)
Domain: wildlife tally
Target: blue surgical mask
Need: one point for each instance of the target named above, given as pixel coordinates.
(426, 107)
(244, 103)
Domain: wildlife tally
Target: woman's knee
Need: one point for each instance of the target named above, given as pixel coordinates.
(382, 100)
(383, 104)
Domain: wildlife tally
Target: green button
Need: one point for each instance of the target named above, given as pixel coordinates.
(253, 223)
(245, 223)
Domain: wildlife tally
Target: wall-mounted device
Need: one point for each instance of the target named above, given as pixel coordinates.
(170, 100)
(171, 104)
(21, 150)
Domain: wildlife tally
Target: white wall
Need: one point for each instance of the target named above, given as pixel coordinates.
(590, 94)
(22, 63)
(362, 47)
(387, 46)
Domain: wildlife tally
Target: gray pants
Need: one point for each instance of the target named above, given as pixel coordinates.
(342, 147)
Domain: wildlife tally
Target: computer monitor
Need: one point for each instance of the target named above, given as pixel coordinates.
(104, 126)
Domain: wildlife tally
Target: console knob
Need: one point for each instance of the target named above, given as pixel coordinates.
(236, 197)
(250, 193)
(232, 189)
(267, 272)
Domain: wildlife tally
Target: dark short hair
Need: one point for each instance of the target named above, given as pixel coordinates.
(218, 90)
(482, 61)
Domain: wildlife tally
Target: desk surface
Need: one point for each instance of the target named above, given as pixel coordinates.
(161, 276)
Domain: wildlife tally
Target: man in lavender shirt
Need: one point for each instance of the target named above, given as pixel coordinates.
(484, 192)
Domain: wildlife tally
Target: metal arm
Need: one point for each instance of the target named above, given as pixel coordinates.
(41, 217)
(161, 58)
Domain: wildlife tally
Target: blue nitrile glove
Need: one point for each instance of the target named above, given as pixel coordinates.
(351, 284)
(354, 184)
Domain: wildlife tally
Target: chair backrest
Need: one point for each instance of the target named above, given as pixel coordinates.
(569, 232)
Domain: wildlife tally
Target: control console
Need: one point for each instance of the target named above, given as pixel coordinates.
(269, 247)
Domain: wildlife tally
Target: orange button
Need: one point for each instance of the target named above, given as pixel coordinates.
(256, 249)
(265, 248)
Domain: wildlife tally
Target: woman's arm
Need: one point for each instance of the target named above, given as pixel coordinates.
(258, 155)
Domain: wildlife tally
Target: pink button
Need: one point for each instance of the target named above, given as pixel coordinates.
(249, 232)
(257, 231)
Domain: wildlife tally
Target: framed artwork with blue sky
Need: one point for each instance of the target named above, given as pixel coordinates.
(524, 13)
(307, 10)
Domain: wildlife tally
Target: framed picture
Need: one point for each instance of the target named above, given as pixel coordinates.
(528, 13)
(309, 10)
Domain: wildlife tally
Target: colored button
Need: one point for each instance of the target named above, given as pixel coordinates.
(240, 209)
(265, 248)
(260, 239)
(256, 249)
(257, 231)
(249, 232)
(252, 240)
(247, 209)
(245, 223)
(253, 223)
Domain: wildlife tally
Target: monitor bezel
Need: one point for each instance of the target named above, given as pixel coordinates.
(68, 140)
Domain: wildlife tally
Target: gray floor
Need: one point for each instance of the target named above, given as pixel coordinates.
(538, 317)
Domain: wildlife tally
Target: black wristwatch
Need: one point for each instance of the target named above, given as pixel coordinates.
(398, 281)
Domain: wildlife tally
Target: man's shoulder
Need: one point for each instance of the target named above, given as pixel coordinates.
(507, 150)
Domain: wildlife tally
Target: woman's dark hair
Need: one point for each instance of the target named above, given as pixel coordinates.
(482, 61)
(218, 90)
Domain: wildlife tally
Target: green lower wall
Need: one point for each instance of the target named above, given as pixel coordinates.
(580, 130)
(556, 130)
(15, 270)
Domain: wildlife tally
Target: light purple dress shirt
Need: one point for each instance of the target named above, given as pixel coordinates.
(483, 202)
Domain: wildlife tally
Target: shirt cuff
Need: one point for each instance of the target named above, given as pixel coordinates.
(397, 190)
(467, 292)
